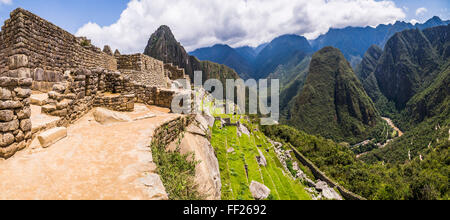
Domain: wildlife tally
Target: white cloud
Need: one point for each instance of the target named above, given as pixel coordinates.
(414, 21)
(7, 2)
(421, 11)
(197, 23)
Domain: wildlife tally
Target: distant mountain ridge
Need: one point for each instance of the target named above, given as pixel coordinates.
(228, 56)
(352, 41)
(257, 62)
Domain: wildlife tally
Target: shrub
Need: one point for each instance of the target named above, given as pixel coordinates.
(177, 173)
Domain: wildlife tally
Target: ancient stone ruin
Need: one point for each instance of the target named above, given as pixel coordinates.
(71, 76)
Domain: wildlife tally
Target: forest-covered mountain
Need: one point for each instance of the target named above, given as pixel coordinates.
(162, 45)
(240, 61)
(352, 41)
(257, 62)
(409, 81)
(333, 103)
(413, 76)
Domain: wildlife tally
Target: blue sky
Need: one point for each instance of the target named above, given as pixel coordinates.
(70, 14)
(199, 23)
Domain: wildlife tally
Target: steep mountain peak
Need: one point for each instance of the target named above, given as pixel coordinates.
(435, 19)
(163, 32)
(162, 45)
(333, 102)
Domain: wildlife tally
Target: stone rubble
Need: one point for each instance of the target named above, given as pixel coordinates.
(319, 190)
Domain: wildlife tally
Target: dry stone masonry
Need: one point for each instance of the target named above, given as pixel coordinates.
(15, 111)
(36, 55)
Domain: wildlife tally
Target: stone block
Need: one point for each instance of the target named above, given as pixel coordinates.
(6, 139)
(22, 93)
(48, 108)
(10, 104)
(6, 115)
(23, 113)
(5, 94)
(50, 137)
(105, 117)
(18, 61)
(9, 126)
(25, 125)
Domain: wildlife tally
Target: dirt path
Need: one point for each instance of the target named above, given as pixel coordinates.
(389, 121)
(94, 162)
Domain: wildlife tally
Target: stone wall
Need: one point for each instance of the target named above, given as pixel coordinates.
(15, 111)
(143, 69)
(115, 102)
(44, 80)
(173, 72)
(321, 176)
(170, 131)
(153, 96)
(81, 90)
(73, 97)
(48, 46)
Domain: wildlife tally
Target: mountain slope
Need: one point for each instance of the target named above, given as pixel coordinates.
(224, 54)
(407, 64)
(333, 102)
(418, 60)
(354, 41)
(365, 72)
(162, 45)
(279, 52)
(248, 53)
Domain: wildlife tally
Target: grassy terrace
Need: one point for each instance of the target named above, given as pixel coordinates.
(235, 179)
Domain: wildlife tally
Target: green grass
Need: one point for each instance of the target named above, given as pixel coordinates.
(177, 173)
(232, 165)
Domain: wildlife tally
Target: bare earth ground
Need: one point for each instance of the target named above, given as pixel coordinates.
(94, 162)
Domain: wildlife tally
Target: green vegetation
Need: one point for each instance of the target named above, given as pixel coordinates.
(240, 167)
(177, 173)
(333, 102)
(85, 43)
(425, 118)
(414, 180)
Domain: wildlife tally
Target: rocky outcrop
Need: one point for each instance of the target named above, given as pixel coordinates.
(162, 45)
(207, 174)
(106, 117)
(259, 191)
(261, 159)
(327, 192)
(154, 187)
